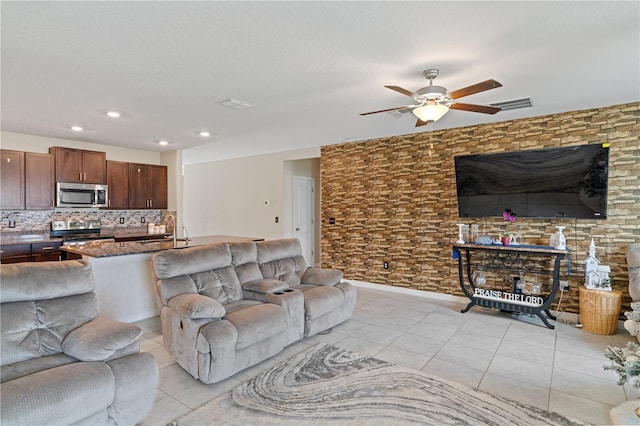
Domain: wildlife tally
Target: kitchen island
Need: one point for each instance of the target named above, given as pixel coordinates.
(125, 286)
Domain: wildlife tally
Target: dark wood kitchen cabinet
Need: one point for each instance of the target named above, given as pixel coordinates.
(42, 252)
(79, 166)
(118, 183)
(12, 178)
(40, 180)
(34, 252)
(147, 186)
(15, 253)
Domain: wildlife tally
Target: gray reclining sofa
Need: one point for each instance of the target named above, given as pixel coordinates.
(61, 362)
(228, 306)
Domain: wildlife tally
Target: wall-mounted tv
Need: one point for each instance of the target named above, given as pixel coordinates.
(566, 182)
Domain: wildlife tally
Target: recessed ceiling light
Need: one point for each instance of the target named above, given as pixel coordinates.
(76, 128)
(204, 134)
(113, 114)
(163, 142)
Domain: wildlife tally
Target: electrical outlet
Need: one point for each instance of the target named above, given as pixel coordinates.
(12, 224)
(385, 265)
(564, 285)
(122, 220)
(142, 220)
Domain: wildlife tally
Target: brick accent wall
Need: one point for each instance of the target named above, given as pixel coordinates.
(394, 200)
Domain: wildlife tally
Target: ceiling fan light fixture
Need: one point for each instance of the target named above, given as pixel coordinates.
(432, 111)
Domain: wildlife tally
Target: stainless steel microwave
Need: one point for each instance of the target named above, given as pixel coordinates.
(81, 195)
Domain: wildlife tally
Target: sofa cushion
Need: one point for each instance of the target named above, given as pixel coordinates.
(196, 306)
(318, 300)
(60, 395)
(100, 338)
(322, 276)
(221, 284)
(257, 323)
(191, 260)
(44, 280)
(24, 368)
(37, 328)
(265, 286)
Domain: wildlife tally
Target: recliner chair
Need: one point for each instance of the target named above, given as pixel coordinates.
(61, 362)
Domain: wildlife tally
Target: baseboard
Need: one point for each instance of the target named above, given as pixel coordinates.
(409, 291)
(564, 317)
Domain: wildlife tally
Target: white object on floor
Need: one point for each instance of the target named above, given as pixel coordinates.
(624, 414)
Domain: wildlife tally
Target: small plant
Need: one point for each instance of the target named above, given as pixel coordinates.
(508, 217)
(625, 362)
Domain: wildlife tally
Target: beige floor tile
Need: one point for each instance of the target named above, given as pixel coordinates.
(437, 332)
(199, 393)
(251, 372)
(377, 334)
(174, 378)
(530, 333)
(587, 347)
(147, 345)
(362, 346)
(292, 350)
(349, 327)
(587, 386)
(584, 364)
(163, 358)
(477, 341)
(516, 390)
(524, 371)
(583, 409)
(465, 356)
(527, 352)
(440, 319)
(401, 357)
(418, 344)
(455, 372)
(164, 411)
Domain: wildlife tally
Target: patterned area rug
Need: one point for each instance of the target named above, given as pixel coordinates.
(328, 385)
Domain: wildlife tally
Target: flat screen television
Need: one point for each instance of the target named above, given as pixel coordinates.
(565, 182)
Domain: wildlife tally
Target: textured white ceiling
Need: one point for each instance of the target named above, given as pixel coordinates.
(308, 67)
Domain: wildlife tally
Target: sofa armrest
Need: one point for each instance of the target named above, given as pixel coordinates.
(322, 276)
(99, 339)
(196, 306)
(265, 286)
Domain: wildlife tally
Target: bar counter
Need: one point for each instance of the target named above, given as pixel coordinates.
(99, 248)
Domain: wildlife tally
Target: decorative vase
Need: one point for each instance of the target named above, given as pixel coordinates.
(505, 241)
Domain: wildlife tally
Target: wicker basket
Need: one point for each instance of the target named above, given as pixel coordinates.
(599, 310)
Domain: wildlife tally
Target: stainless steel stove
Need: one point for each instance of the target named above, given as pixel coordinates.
(77, 232)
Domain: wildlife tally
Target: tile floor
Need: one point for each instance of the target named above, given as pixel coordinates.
(559, 370)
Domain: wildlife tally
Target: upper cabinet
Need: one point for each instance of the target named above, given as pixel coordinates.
(118, 182)
(79, 166)
(147, 186)
(40, 180)
(12, 178)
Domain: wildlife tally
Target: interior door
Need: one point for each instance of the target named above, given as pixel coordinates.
(303, 212)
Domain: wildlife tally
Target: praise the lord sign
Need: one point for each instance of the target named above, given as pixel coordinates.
(503, 296)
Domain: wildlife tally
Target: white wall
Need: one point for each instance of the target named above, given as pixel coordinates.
(33, 143)
(228, 197)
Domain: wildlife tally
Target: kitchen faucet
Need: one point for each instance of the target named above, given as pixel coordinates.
(175, 237)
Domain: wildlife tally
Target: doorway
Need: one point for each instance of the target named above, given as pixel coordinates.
(303, 214)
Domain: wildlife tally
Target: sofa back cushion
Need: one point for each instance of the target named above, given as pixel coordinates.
(205, 270)
(281, 260)
(244, 256)
(55, 299)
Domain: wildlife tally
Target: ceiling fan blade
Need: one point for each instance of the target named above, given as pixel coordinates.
(384, 110)
(401, 90)
(475, 88)
(422, 123)
(475, 108)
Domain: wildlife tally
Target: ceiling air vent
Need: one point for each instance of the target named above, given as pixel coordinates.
(236, 104)
(514, 104)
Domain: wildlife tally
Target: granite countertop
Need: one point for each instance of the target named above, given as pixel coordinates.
(26, 237)
(109, 249)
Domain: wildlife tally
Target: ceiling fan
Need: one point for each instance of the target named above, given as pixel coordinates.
(433, 101)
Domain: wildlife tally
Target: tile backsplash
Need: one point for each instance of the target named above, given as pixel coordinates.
(40, 220)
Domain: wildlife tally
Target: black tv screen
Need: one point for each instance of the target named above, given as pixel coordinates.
(566, 182)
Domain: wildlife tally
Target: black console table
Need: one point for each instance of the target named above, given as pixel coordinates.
(512, 258)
